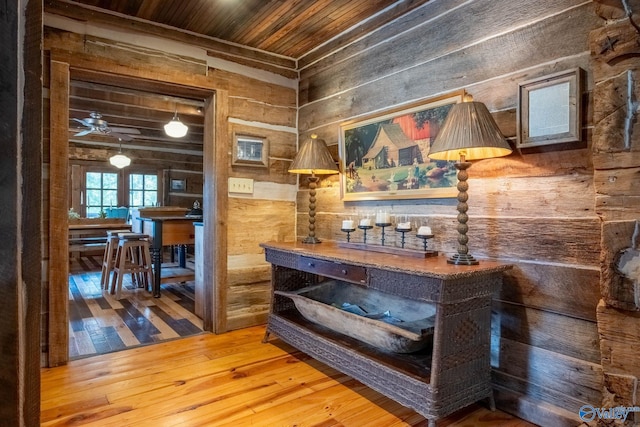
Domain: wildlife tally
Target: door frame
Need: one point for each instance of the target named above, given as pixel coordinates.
(215, 196)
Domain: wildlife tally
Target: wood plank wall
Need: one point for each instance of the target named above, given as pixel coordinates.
(535, 209)
(256, 106)
(616, 161)
(20, 177)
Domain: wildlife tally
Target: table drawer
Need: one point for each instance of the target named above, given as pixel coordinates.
(334, 270)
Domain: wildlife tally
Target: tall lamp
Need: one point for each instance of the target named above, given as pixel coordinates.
(313, 158)
(468, 133)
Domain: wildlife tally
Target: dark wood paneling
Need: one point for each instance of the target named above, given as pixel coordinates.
(30, 180)
(21, 107)
(58, 215)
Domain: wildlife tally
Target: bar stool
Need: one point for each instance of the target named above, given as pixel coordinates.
(132, 257)
(108, 259)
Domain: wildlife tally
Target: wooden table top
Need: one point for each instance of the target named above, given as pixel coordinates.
(100, 226)
(436, 266)
(169, 218)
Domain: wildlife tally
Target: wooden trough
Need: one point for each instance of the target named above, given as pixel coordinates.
(385, 321)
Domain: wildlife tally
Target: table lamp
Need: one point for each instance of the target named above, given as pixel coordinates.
(313, 158)
(468, 133)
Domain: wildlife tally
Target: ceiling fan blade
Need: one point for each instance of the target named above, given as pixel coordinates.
(131, 131)
(82, 122)
(84, 132)
(121, 136)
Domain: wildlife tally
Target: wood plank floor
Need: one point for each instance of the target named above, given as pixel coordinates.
(100, 324)
(229, 380)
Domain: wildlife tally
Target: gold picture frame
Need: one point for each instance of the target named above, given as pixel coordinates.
(384, 156)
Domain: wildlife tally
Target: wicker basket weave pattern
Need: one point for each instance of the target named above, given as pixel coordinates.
(455, 374)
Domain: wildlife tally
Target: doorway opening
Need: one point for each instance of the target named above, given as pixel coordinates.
(99, 191)
(75, 154)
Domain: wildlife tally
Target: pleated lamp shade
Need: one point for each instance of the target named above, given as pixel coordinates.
(313, 158)
(469, 130)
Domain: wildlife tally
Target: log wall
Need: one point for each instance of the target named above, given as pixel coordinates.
(535, 209)
(616, 160)
(21, 263)
(256, 105)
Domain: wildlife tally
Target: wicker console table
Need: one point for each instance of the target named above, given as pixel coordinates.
(451, 374)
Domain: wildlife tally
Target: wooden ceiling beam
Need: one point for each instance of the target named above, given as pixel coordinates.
(108, 143)
(193, 137)
(154, 100)
(146, 117)
(155, 159)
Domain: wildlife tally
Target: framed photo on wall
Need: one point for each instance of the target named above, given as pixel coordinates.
(549, 109)
(178, 185)
(250, 151)
(384, 156)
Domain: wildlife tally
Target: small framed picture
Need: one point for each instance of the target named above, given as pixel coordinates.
(549, 109)
(178, 185)
(250, 151)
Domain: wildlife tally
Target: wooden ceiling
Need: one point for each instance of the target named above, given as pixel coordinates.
(289, 28)
(268, 33)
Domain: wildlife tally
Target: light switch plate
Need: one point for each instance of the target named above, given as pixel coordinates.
(241, 185)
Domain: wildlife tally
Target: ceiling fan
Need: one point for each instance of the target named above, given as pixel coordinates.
(95, 124)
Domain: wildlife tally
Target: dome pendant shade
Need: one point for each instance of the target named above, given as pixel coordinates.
(120, 161)
(175, 128)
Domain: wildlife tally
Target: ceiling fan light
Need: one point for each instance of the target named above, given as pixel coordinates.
(120, 161)
(175, 128)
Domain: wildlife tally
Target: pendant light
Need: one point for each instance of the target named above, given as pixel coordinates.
(175, 128)
(120, 160)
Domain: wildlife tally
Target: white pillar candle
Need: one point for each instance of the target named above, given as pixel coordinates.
(347, 224)
(404, 226)
(365, 222)
(424, 231)
(383, 218)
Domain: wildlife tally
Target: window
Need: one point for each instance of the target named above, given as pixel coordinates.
(102, 192)
(143, 189)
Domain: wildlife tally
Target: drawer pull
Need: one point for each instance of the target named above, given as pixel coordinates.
(344, 271)
(311, 265)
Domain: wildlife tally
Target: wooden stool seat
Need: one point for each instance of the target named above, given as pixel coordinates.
(132, 257)
(108, 259)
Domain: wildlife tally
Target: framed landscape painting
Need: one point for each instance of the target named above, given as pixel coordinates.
(385, 156)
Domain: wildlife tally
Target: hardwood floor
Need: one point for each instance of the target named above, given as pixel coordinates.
(99, 324)
(231, 379)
